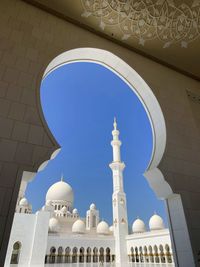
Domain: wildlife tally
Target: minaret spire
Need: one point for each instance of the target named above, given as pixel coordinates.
(120, 221)
(115, 123)
(116, 143)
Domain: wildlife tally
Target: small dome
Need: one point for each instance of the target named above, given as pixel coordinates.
(111, 228)
(60, 191)
(92, 206)
(64, 210)
(78, 227)
(75, 211)
(53, 225)
(138, 226)
(156, 223)
(23, 202)
(103, 228)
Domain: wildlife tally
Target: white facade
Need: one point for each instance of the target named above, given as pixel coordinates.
(57, 234)
(30, 232)
(152, 246)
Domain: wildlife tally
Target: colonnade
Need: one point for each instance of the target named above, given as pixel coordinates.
(74, 255)
(155, 254)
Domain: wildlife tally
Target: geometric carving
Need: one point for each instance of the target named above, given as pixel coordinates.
(166, 20)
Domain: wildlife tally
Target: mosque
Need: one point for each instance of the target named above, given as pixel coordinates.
(57, 234)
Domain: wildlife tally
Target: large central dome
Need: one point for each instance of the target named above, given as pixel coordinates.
(60, 191)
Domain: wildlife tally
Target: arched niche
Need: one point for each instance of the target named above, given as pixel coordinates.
(16, 253)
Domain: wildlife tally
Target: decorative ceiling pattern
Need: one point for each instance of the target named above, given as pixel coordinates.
(167, 31)
(148, 20)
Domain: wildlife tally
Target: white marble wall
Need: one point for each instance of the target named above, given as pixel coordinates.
(31, 230)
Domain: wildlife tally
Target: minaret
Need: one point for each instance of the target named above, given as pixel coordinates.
(120, 222)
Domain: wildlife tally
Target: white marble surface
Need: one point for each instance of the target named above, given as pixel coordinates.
(98, 265)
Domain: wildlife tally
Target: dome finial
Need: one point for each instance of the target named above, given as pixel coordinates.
(115, 123)
(62, 178)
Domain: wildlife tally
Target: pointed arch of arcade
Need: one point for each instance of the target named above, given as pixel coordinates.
(153, 174)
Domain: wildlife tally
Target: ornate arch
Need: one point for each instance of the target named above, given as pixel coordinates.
(142, 90)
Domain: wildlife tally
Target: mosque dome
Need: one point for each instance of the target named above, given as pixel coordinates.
(23, 202)
(138, 226)
(78, 227)
(92, 206)
(156, 223)
(111, 228)
(60, 191)
(75, 211)
(53, 225)
(103, 228)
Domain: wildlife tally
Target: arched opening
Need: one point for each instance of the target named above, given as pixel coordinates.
(52, 256)
(156, 257)
(74, 255)
(146, 256)
(137, 258)
(95, 255)
(153, 174)
(60, 255)
(81, 254)
(162, 255)
(151, 256)
(168, 254)
(101, 255)
(146, 106)
(132, 255)
(107, 254)
(15, 253)
(88, 256)
(67, 255)
(145, 96)
(141, 254)
(136, 83)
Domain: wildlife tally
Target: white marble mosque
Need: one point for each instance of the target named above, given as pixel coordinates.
(56, 234)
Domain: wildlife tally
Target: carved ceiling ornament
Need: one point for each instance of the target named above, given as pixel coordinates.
(148, 19)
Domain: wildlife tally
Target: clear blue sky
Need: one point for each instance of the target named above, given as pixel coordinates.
(79, 102)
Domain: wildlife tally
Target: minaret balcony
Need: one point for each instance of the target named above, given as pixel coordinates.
(117, 165)
(116, 143)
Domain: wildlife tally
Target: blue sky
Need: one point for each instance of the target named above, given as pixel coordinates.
(79, 102)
